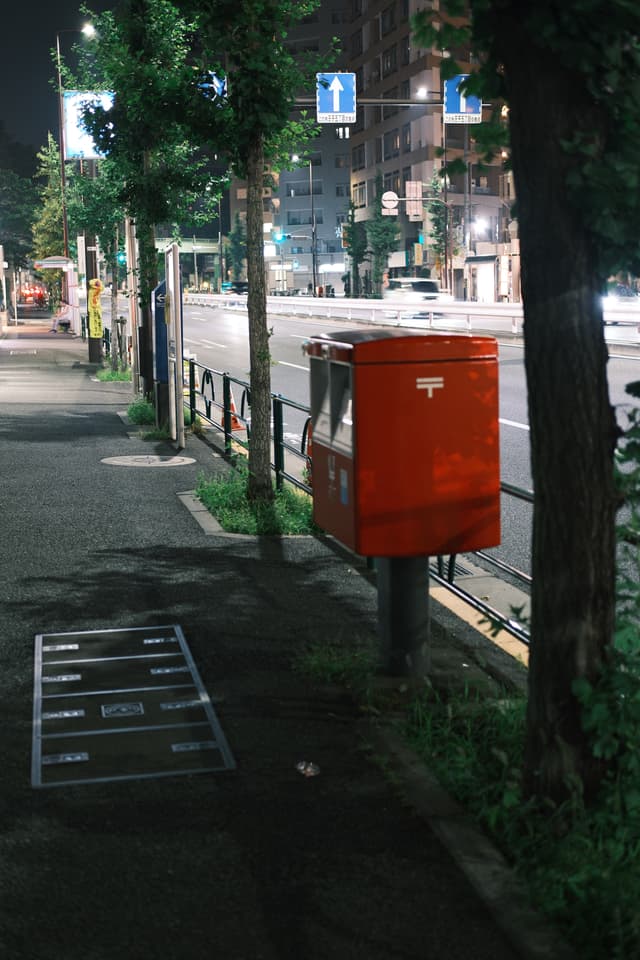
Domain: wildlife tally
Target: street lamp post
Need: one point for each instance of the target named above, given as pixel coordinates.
(88, 30)
(63, 177)
(314, 243)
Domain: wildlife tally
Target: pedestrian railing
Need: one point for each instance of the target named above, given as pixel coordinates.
(210, 396)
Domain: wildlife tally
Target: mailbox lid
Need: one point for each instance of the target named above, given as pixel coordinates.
(399, 346)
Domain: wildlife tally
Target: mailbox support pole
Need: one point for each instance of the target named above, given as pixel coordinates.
(403, 615)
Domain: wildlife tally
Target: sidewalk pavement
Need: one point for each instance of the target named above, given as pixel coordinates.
(368, 859)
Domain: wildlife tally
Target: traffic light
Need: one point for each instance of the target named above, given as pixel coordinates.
(280, 237)
(122, 257)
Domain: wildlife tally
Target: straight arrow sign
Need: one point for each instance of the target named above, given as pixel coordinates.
(336, 97)
(336, 89)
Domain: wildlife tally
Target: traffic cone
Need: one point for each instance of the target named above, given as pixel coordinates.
(235, 423)
(309, 452)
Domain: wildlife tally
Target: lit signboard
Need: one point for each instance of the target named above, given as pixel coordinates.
(78, 144)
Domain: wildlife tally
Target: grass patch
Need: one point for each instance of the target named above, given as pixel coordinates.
(581, 867)
(107, 374)
(141, 411)
(160, 434)
(226, 498)
(350, 660)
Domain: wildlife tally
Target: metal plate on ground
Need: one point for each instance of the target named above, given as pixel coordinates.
(121, 705)
(150, 460)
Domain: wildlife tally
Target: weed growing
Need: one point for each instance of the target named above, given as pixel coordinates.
(580, 865)
(350, 660)
(106, 374)
(226, 498)
(141, 411)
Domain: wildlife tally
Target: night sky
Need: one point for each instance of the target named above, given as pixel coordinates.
(28, 102)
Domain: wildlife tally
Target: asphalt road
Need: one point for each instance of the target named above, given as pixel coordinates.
(218, 338)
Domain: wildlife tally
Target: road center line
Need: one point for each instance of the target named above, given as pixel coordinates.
(514, 423)
(283, 363)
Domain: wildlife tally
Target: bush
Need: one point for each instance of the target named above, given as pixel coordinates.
(226, 498)
(141, 411)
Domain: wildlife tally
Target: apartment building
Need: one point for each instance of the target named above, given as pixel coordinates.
(399, 133)
(407, 140)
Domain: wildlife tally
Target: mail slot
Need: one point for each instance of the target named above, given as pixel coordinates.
(406, 454)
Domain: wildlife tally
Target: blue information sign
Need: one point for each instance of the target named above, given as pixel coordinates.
(336, 97)
(458, 107)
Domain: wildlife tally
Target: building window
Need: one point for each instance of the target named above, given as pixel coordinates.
(341, 161)
(360, 194)
(388, 20)
(342, 133)
(405, 50)
(378, 148)
(356, 43)
(406, 137)
(391, 144)
(341, 218)
(298, 218)
(405, 90)
(393, 109)
(392, 181)
(356, 9)
(358, 158)
(389, 60)
(342, 190)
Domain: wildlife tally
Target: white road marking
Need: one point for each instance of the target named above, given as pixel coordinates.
(283, 363)
(514, 423)
(211, 343)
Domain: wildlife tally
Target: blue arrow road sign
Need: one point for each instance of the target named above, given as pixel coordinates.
(336, 97)
(458, 107)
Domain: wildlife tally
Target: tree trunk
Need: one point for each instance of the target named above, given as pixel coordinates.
(260, 486)
(147, 282)
(573, 428)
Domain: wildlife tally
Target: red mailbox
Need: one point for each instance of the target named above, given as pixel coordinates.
(406, 456)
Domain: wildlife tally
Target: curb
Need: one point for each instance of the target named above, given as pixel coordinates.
(494, 881)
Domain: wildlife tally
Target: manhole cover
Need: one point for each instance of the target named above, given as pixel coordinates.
(148, 461)
(121, 705)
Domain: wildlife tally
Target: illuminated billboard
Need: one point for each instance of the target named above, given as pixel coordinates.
(78, 144)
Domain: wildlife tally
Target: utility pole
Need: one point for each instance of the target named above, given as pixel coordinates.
(314, 250)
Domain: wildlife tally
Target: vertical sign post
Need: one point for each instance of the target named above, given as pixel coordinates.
(173, 319)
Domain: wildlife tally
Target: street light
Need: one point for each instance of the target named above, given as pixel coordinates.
(89, 31)
(314, 244)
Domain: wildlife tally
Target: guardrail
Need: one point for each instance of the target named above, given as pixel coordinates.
(385, 311)
(508, 316)
(211, 398)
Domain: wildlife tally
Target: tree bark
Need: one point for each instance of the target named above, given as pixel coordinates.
(260, 486)
(573, 427)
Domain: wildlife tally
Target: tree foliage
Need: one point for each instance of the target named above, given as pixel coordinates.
(439, 231)
(141, 54)
(18, 203)
(251, 124)
(355, 237)
(237, 247)
(382, 234)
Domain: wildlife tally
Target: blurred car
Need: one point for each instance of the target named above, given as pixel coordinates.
(410, 294)
(619, 296)
(235, 286)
